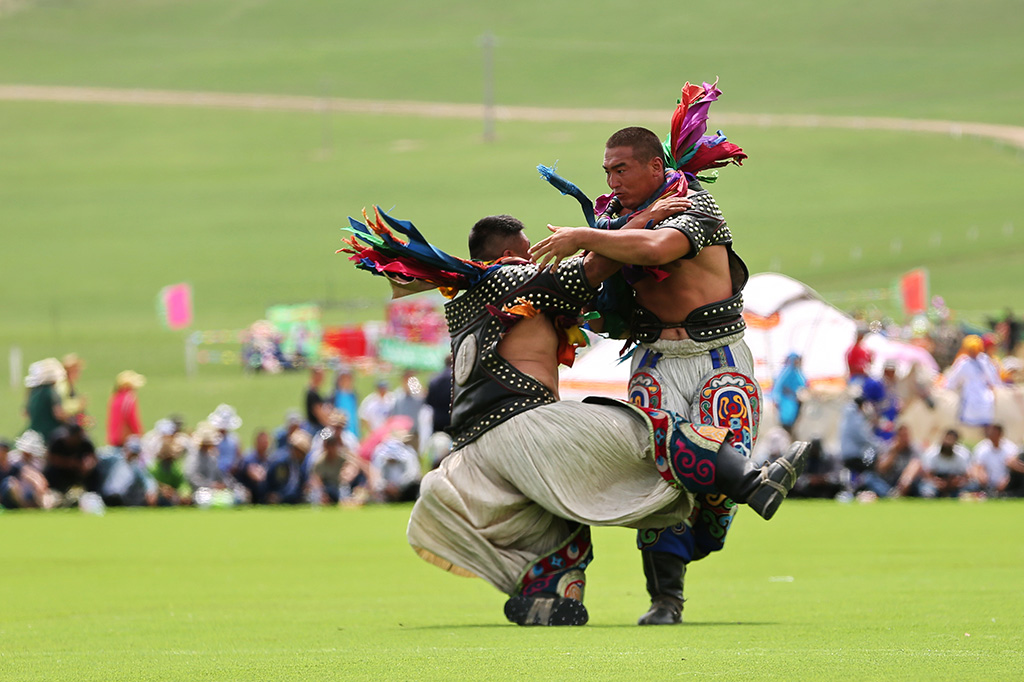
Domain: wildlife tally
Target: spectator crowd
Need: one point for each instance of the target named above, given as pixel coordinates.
(876, 455)
(338, 449)
(342, 448)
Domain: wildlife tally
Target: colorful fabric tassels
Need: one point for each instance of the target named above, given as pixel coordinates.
(411, 266)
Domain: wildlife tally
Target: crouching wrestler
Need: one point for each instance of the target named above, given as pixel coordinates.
(529, 474)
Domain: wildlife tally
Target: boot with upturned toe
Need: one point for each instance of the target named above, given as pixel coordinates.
(761, 488)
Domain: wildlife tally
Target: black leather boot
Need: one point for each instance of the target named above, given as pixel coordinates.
(664, 573)
(761, 488)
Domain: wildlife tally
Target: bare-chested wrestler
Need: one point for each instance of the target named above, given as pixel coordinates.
(687, 320)
(528, 473)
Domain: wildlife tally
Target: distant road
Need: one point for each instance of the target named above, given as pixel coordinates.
(1012, 135)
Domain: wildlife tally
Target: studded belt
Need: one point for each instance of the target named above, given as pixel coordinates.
(706, 323)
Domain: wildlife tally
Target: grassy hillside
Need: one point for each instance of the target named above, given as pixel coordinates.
(106, 205)
(892, 591)
(958, 59)
(101, 206)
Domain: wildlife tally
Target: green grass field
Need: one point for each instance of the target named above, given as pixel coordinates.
(891, 591)
(101, 206)
(106, 205)
(949, 59)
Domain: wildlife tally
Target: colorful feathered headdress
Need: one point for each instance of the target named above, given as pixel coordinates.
(411, 265)
(687, 150)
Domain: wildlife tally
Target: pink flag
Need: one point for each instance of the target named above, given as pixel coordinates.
(176, 305)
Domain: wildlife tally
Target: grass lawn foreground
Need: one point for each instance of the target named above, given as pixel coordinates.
(894, 590)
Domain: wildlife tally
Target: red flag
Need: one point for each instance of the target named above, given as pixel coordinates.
(914, 287)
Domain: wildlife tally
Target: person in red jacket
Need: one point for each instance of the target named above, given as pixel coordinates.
(123, 411)
(858, 358)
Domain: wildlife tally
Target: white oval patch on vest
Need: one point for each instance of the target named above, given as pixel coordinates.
(465, 359)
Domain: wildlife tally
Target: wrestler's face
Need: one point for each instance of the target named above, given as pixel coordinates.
(632, 181)
(517, 246)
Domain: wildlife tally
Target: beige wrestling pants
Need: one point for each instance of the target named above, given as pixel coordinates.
(511, 496)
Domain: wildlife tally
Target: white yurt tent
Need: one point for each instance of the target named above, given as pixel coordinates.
(783, 316)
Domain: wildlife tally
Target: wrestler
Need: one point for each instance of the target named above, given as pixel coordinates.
(529, 474)
(687, 321)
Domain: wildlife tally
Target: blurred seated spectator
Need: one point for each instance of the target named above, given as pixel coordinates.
(338, 421)
(888, 405)
(943, 470)
(22, 484)
(201, 467)
(822, 476)
(408, 401)
(123, 411)
(71, 461)
(376, 408)
(251, 472)
(5, 450)
(373, 439)
(345, 400)
(858, 445)
(787, 392)
(71, 400)
(395, 469)
(166, 434)
(991, 460)
(1013, 371)
(125, 480)
(287, 473)
(43, 406)
(292, 421)
(226, 420)
(890, 465)
(325, 477)
(1015, 481)
(169, 473)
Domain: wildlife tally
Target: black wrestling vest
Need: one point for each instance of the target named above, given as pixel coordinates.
(486, 389)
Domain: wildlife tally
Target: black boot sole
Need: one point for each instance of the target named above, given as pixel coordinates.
(545, 611)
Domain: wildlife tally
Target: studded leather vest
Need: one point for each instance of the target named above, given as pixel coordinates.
(704, 225)
(486, 388)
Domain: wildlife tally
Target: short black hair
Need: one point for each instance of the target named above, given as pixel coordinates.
(490, 235)
(645, 143)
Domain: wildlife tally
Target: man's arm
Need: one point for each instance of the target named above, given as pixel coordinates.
(631, 244)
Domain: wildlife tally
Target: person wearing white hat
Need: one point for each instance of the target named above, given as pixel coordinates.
(229, 452)
(45, 413)
(23, 485)
(201, 468)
